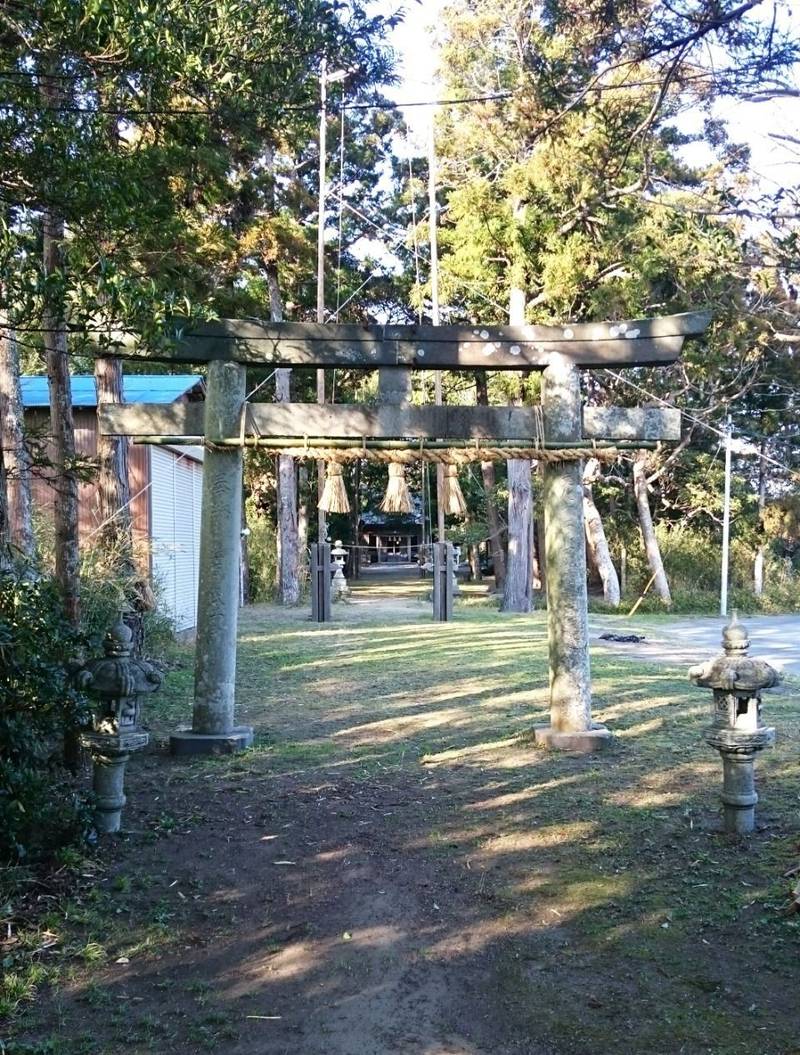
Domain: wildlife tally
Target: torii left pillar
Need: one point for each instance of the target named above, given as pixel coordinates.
(213, 727)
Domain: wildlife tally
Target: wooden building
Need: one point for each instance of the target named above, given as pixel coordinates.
(390, 538)
(165, 484)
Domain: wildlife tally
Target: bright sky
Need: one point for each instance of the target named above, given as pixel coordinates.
(773, 163)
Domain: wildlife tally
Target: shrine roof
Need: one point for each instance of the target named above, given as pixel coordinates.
(392, 522)
(137, 388)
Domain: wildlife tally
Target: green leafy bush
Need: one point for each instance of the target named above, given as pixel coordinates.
(262, 556)
(40, 810)
(106, 589)
(108, 586)
(692, 563)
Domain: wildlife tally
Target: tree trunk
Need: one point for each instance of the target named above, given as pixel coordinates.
(288, 539)
(17, 456)
(65, 514)
(244, 557)
(518, 591)
(113, 488)
(596, 537)
(540, 565)
(648, 532)
(489, 487)
(6, 562)
(302, 521)
(758, 565)
(115, 533)
(537, 578)
(62, 430)
(288, 533)
(474, 557)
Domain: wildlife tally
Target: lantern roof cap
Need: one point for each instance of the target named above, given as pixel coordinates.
(734, 671)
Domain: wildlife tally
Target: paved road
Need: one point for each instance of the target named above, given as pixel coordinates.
(684, 641)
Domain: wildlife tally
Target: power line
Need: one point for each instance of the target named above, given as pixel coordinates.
(153, 111)
(341, 216)
(432, 102)
(698, 421)
(216, 111)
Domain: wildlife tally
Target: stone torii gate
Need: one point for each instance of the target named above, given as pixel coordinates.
(226, 423)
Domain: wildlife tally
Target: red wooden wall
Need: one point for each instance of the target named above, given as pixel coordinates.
(89, 514)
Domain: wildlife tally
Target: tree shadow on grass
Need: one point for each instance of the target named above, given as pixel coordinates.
(398, 870)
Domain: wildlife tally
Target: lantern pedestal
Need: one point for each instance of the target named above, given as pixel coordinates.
(739, 796)
(110, 756)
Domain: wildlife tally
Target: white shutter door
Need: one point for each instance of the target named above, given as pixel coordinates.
(162, 528)
(197, 505)
(185, 563)
(175, 539)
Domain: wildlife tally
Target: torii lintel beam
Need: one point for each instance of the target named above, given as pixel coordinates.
(348, 421)
(636, 343)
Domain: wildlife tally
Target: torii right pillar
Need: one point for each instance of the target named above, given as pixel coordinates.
(571, 727)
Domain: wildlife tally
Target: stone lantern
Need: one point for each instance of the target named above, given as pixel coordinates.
(339, 586)
(736, 729)
(115, 682)
(456, 566)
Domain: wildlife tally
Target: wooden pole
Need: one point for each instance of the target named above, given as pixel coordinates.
(518, 586)
(321, 582)
(726, 525)
(442, 581)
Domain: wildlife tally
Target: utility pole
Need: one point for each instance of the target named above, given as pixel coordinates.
(322, 519)
(726, 524)
(435, 318)
(325, 79)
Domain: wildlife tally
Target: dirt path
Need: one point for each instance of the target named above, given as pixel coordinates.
(395, 870)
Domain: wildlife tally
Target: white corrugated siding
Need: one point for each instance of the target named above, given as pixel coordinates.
(176, 498)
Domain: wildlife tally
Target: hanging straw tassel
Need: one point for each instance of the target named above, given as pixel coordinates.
(397, 498)
(452, 495)
(334, 495)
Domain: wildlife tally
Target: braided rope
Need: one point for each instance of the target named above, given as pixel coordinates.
(452, 456)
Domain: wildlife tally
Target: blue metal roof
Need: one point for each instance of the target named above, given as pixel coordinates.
(137, 388)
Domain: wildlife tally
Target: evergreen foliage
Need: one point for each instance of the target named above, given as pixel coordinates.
(40, 809)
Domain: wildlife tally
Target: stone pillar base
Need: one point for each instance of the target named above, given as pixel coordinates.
(185, 742)
(582, 742)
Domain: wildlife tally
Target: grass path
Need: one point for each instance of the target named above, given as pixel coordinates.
(396, 869)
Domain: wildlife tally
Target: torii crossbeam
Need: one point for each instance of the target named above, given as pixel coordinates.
(227, 424)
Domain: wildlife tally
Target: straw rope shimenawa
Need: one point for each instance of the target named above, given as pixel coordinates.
(450, 456)
(334, 498)
(334, 494)
(397, 498)
(452, 495)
